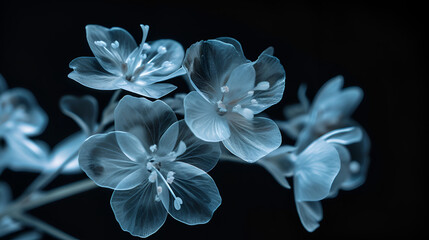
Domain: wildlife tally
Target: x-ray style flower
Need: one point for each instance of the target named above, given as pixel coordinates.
(155, 165)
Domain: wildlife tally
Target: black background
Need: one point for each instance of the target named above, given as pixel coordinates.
(381, 48)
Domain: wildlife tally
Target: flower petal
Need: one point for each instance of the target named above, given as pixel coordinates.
(168, 60)
(83, 110)
(156, 90)
(279, 164)
(199, 194)
(240, 82)
(268, 69)
(316, 168)
(22, 112)
(102, 159)
(144, 119)
(330, 88)
(236, 44)
(310, 214)
(209, 64)
(252, 139)
(137, 211)
(88, 72)
(168, 140)
(203, 120)
(201, 154)
(111, 46)
(343, 136)
(65, 149)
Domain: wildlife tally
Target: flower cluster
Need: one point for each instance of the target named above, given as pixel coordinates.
(156, 164)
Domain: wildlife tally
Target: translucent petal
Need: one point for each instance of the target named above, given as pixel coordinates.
(101, 158)
(203, 120)
(338, 107)
(344, 173)
(240, 82)
(330, 88)
(102, 42)
(209, 64)
(252, 139)
(360, 156)
(88, 72)
(343, 136)
(316, 168)
(156, 90)
(137, 211)
(65, 149)
(173, 54)
(198, 192)
(268, 51)
(83, 110)
(201, 154)
(21, 112)
(144, 119)
(310, 214)
(24, 154)
(294, 126)
(268, 69)
(168, 139)
(279, 163)
(235, 43)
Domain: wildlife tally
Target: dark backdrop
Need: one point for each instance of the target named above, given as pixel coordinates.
(380, 48)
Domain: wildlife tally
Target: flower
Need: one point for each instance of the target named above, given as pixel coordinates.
(155, 165)
(20, 118)
(120, 64)
(230, 90)
(331, 109)
(317, 171)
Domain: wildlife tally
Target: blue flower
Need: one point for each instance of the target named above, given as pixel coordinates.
(230, 90)
(120, 64)
(331, 109)
(155, 165)
(316, 170)
(20, 118)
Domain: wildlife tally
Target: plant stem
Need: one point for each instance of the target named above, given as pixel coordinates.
(48, 197)
(39, 224)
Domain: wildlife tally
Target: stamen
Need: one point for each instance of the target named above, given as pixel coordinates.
(153, 148)
(115, 44)
(354, 167)
(159, 190)
(161, 50)
(177, 203)
(245, 112)
(157, 199)
(149, 166)
(221, 106)
(224, 89)
(254, 101)
(264, 85)
(100, 43)
(146, 46)
(167, 64)
(250, 93)
(152, 177)
(170, 177)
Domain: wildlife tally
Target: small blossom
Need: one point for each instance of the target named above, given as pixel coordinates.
(230, 91)
(120, 64)
(155, 165)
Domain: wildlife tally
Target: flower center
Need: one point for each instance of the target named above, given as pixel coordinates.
(240, 104)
